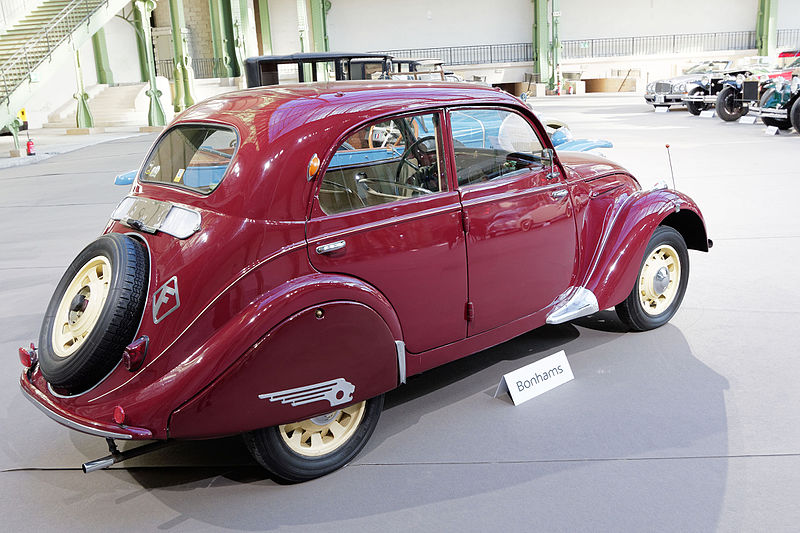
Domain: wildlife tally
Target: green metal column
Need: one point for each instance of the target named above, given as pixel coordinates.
(83, 116)
(184, 74)
(264, 24)
(101, 63)
(766, 30)
(241, 38)
(216, 37)
(541, 39)
(155, 115)
(228, 39)
(319, 24)
(141, 46)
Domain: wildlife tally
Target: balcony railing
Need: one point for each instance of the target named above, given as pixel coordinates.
(203, 67)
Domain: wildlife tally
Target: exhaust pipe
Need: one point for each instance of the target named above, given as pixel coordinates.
(118, 456)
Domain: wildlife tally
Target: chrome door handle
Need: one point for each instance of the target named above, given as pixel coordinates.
(330, 247)
(558, 195)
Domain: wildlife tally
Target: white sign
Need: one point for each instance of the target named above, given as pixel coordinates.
(536, 378)
(662, 109)
(747, 120)
(708, 113)
(771, 130)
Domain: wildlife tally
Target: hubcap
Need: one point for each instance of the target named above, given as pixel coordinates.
(323, 434)
(659, 280)
(81, 306)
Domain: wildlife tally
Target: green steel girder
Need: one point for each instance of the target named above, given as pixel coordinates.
(766, 28)
(266, 29)
(101, 62)
(541, 40)
(155, 114)
(184, 74)
(319, 24)
(83, 115)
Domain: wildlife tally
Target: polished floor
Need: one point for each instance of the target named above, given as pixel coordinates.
(692, 427)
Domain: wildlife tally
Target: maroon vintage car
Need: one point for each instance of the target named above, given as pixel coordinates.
(288, 255)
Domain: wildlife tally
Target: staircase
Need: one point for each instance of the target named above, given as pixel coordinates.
(46, 36)
(111, 106)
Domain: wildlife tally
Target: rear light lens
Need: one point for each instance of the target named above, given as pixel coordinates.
(134, 354)
(28, 358)
(119, 415)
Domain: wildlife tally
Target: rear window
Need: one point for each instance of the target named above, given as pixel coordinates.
(192, 157)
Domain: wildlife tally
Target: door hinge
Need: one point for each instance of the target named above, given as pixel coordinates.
(464, 221)
(469, 312)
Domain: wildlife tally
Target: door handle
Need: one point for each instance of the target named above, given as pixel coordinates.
(559, 194)
(330, 247)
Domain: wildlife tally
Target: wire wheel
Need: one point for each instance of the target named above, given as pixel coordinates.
(323, 434)
(659, 280)
(81, 306)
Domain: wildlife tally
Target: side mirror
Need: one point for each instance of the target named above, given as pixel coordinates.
(549, 160)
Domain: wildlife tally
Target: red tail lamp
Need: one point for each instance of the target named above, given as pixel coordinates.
(119, 415)
(134, 354)
(28, 358)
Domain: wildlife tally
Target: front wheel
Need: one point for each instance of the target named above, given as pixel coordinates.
(728, 108)
(312, 448)
(780, 123)
(696, 107)
(661, 283)
(794, 115)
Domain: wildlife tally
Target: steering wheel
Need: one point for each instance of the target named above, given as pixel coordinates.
(412, 148)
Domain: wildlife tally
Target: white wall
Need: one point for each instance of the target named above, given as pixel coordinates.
(283, 20)
(122, 53)
(788, 14)
(356, 25)
(586, 19)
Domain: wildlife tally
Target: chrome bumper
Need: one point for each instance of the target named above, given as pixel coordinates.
(704, 98)
(770, 112)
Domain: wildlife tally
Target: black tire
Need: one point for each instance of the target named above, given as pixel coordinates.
(727, 108)
(99, 350)
(287, 466)
(794, 115)
(696, 107)
(781, 124)
(633, 311)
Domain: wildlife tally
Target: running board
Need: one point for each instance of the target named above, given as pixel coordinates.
(118, 456)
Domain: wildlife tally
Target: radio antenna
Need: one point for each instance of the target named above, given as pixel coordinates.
(672, 172)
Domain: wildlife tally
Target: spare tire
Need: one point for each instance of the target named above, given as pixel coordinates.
(94, 312)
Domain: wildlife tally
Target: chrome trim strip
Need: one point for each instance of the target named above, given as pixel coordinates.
(74, 425)
(400, 346)
(580, 303)
(335, 392)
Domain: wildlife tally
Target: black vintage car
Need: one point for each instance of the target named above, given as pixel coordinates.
(668, 92)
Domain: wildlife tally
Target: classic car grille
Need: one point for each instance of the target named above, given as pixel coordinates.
(663, 88)
(750, 90)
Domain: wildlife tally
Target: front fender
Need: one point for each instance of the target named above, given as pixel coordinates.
(613, 272)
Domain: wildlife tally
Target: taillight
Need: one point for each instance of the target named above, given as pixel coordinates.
(28, 358)
(119, 415)
(134, 354)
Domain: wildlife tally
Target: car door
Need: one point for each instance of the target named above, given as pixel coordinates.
(521, 234)
(385, 213)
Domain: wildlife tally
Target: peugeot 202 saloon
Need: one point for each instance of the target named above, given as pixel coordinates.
(288, 255)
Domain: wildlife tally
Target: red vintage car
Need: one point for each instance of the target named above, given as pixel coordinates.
(288, 255)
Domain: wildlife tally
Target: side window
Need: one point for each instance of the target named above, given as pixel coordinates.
(493, 143)
(386, 161)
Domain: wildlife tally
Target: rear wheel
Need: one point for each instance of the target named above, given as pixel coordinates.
(780, 123)
(696, 107)
(94, 312)
(311, 448)
(728, 108)
(661, 283)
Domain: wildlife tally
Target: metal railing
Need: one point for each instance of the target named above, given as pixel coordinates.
(607, 47)
(33, 53)
(470, 55)
(203, 67)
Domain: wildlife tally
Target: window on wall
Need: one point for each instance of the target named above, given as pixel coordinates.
(493, 143)
(387, 161)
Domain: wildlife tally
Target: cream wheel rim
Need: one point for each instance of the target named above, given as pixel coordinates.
(81, 306)
(659, 280)
(323, 434)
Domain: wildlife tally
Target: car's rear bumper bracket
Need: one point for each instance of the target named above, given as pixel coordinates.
(576, 302)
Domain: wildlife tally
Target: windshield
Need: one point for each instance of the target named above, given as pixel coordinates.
(707, 66)
(795, 63)
(193, 157)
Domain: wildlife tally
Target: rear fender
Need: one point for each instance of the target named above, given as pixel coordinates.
(318, 360)
(613, 271)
